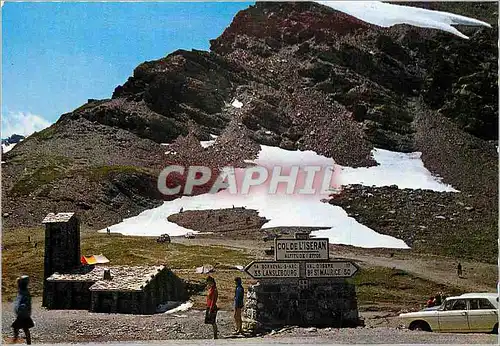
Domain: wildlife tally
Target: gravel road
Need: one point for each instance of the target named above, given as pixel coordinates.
(70, 326)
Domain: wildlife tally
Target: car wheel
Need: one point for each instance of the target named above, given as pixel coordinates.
(495, 329)
(420, 326)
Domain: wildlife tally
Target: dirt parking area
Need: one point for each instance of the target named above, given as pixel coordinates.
(72, 326)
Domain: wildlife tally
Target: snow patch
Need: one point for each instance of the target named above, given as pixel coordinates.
(404, 170)
(181, 308)
(8, 147)
(386, 15)
(236, 104)
(206, 144)
(307, 212)
(171, 307)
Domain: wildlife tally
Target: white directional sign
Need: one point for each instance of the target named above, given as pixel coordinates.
(337, 269)
(269, 270)
(301, 249)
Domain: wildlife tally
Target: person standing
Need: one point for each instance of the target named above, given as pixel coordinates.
(22, 309)
(238, 305)
(459, 270)
(211, 311)
(439, 299)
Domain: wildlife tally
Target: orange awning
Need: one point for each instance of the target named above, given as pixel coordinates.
(94, 259)
(88, 260)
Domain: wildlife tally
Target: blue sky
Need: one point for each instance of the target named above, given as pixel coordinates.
(55, 56)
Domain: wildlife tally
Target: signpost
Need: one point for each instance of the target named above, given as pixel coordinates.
(336, 269)
(308, 280)
(301, 249)
(302, 258)
(270, 270)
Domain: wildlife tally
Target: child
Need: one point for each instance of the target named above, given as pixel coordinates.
(22, 309)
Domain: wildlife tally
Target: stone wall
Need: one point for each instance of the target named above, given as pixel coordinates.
(118, 302)
(67, 295)
(317, 303)
(166, 287)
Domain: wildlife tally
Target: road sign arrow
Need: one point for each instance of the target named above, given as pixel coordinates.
(333, 269)
(265, 269)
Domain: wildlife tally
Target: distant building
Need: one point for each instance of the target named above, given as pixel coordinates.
(118, 289)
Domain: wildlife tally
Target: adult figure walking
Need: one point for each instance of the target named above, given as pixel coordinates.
(22, 308)
(211, 311)
(238, 305)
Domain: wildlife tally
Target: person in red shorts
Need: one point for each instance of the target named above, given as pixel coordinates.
(211, 311)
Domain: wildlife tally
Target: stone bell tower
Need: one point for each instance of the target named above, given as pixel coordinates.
(62, 245)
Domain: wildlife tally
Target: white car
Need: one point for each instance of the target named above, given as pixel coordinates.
(471, 312)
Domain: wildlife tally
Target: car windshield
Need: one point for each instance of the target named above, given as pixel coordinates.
(447, 304)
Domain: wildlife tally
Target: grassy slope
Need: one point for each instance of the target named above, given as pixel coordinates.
(393, 289)
(21, 257)
(378, 288)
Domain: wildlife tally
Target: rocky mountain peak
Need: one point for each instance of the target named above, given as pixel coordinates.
(13, 139)
(270, 26)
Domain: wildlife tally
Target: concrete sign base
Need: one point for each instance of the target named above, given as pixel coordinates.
(317, 303)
